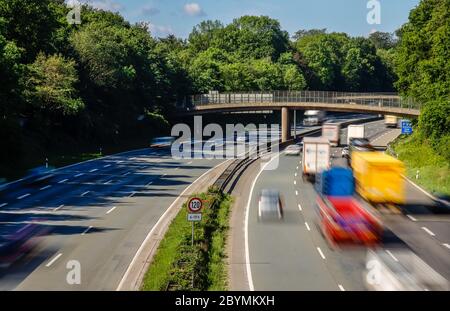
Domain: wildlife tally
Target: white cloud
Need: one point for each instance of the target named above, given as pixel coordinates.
(159, 30)
(193, 9)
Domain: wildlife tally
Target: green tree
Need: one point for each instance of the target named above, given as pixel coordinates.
(294, 79)
(51, 85)
(382, 40)
(423, 57)
(31, 25)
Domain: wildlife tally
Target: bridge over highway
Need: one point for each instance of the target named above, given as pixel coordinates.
(376, 103)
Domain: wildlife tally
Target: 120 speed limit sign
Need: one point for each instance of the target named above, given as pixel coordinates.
(195, 205)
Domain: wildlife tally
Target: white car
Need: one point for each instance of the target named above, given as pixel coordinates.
(270, 206)
(293, 150)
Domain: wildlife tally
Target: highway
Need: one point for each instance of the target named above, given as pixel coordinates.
(99, 212)
(293, 255)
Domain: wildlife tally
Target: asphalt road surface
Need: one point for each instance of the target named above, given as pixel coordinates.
(293, 255)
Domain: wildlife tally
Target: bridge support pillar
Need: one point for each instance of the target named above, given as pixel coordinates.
(285, 125)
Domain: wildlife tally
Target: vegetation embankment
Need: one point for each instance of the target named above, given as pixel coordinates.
(423, 69)
(179, 266)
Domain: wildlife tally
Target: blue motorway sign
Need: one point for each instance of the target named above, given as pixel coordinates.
(406, 127)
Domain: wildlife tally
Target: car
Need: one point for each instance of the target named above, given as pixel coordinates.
(293, 150)
(162, 142)
(17, 240)
(39, 175)
(270, 205)
(344, 152)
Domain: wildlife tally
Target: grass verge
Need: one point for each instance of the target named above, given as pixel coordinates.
(434, 169)
(179, 266)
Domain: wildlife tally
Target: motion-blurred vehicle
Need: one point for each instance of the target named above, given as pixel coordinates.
(315, 157)
(345, 152)
(293, 150)
(314, 117)
(270, 205)
(379, 177)
(355, 131)
(400, 270)
(391, 121)
(442, 204)
(39, 174)
(332, 131)
(342, 218)
(16, 241)
(162, 142)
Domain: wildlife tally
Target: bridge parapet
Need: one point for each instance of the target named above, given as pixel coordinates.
(379, 100)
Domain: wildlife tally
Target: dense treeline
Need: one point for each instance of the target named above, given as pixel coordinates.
(423, 66)
(105, 80)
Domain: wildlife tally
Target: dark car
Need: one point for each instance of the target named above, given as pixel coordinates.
(359, 144)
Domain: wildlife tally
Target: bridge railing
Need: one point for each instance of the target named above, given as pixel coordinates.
(367, 99)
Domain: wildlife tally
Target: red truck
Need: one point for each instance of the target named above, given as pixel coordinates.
(344, 220)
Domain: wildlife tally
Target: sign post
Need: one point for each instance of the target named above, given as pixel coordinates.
(406, 127)
(195, 206)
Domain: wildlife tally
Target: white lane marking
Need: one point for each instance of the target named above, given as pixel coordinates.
(296, 168)
(78, 175)
(428, 231)
(247, 213)
(86, 231)
(300, 207)
(295, 174)
(23, 196)
(62, 181)
(107, 165)
(118, 162)
(295, 182)
(296, 192)
(307, 226)
(51, 262)
(108, 182)
(3, 205)
(189, 163)
(127, 173)
(163, 216)
(412, 218)
(93, 170)
(46, 187)
(132, 194)
(149, 183)
(392, 255)
(164, 175)
(321, 253)
(341, 288)
(58, 208)
(84, 193)
(111, 210)
(446, 245)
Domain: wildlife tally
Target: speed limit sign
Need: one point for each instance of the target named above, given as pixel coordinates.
(195, 205)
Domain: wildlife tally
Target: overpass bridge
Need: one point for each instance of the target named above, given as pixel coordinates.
(376, 103)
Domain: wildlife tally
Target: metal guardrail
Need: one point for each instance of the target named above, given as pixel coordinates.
(392, 100)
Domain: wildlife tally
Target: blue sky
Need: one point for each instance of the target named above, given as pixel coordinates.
(178, 16)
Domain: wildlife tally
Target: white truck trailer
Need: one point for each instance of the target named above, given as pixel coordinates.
(315, 157)
(355, 131)
(332, 132)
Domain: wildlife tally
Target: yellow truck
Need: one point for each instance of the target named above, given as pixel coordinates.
(379, 177)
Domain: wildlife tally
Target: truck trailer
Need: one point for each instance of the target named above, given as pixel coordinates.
(379, 177)
(315, 157)
(355, 131)
(332, 131)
